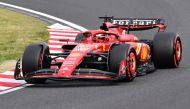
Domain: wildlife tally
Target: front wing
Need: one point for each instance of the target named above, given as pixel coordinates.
(82, 73)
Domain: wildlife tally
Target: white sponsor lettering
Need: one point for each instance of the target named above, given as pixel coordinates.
(66, 68)
(121, 22)
(82, 47)
(135, 22)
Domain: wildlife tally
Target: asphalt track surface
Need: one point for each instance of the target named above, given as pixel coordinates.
(163, 89)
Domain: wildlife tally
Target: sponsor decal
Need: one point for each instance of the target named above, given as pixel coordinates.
(62, 72)
(72, 58)
(138, 48)
(66, 68)
(68, 65)
(96, 46)
(123, 67)
(137, 22)
(80, 49)
(144, 53)
(84, 47)
(75, 54)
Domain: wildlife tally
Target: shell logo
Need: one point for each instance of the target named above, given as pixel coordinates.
(75, 54)
(144, 53)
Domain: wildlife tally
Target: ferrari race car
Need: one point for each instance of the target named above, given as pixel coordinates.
(110, 53)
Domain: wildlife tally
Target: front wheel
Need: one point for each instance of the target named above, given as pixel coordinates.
(122, 60)
(35, 57)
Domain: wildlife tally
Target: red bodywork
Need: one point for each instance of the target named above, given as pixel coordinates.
(100, 41)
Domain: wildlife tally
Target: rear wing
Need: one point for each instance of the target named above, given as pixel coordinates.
(134, 24)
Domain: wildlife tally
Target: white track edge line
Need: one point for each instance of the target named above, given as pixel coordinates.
(15, 89)
(5, 87)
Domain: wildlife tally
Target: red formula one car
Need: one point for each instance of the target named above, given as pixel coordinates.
(110, 53)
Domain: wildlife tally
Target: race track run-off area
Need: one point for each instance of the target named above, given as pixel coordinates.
(58, 33)
(8, 82)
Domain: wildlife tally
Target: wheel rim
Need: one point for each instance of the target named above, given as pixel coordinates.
(177, 54)
(132, 64)
(178, 50)
(128, 67)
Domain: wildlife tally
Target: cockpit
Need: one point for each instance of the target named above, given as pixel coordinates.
(96, 37)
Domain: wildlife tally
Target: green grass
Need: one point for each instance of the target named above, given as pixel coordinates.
(17, 31)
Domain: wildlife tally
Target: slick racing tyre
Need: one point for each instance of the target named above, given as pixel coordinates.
(122, 60)
(35, 57)
(167, 50)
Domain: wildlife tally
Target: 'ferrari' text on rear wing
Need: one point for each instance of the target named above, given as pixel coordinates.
(136, 21)
(134, 24)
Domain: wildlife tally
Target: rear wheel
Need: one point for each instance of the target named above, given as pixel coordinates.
(122, 60)
(167, 50)
(35, 57)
